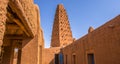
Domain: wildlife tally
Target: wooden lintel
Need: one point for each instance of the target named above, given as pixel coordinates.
(17, 8)
(18, 23)
(14, 37)
(12, 26)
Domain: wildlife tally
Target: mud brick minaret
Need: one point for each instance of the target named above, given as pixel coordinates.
(61, 33)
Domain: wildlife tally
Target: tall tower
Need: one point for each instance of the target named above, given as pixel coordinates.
(61, 33)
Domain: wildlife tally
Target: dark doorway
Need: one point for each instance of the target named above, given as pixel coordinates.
(74, 59)
(61, 61)
(19, 57)
(66, 60)
(6, 59)
(91, 59)
(56, 58)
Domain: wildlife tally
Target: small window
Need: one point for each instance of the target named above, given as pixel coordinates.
(62, 36)
(61, 15)
(61, 28)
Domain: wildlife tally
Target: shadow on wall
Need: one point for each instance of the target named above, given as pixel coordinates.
(52, 62)
(26, 41)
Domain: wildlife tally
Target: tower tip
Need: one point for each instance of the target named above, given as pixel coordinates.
(60, 5)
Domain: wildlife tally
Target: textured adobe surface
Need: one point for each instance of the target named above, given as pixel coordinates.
(3, 12)
(20, 29)
(49, 55)
(103, 42)
(61, 33)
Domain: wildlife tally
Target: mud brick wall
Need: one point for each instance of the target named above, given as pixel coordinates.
(103, 42)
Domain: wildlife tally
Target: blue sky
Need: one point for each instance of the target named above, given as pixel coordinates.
(81, 13)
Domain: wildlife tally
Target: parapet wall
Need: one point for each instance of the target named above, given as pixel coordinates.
(49, 55)
(103, 43)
